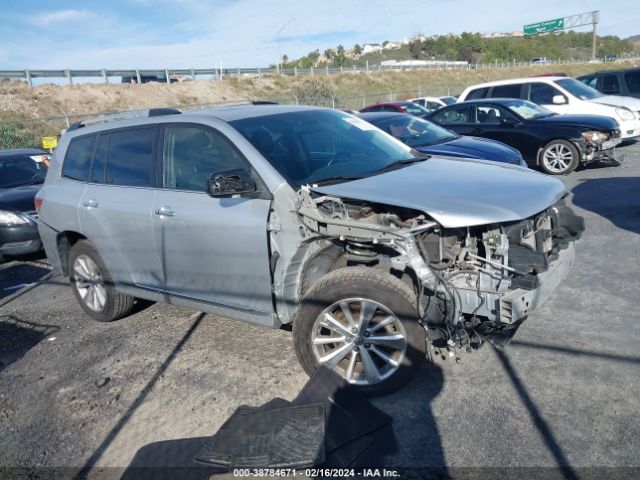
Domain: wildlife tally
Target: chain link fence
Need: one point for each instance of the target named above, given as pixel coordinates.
(28, 132)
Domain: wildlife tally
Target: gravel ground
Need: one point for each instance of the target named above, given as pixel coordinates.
(566, 392)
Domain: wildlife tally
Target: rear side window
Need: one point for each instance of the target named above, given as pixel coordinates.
(542, 93)
(506, 91)
(130, 157)
(610, 85)
(452, 115)
(633, 81)
(77, 161)
(478, 93)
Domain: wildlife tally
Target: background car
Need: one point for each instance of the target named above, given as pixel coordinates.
(427, 137)
(397, 107)
(564, 95)
(615, 82)
(433, 103)
(557, 143)
(22, 173)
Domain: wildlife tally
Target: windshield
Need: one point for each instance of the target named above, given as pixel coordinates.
(414, 131)
(578, 89)
(311, 146)
(527, 110)
(415, 109)
(449, 100)
(24, 170)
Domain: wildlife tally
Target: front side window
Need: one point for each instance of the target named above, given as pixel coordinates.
(77, 160)
(610, 85)
(542, 93)
(313, 146)
(191, 154)
(453, 115)
(130, 157)
(489, 115)
(478, 93)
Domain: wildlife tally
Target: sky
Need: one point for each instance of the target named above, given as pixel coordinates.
(39, 34)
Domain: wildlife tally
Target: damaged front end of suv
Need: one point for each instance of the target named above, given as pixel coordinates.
(473, 283)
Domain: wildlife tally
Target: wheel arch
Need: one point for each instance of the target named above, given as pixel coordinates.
(64, 242)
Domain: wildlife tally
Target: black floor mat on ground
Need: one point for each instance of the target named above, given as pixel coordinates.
(349, 413)
(282, 437)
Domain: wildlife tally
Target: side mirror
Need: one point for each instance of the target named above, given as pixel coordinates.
(230, 182)
(509, 122)
(559, 100)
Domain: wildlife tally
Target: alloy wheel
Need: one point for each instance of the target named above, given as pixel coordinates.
(557, 158)
(360, 339)
(89, 283)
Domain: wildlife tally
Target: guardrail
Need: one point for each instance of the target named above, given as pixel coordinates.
(170, 74)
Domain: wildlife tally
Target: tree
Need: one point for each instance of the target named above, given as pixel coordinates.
(285, 59)
(340, 59)
(357, 49)
(415, 48)
(328, 53)
(385, 43)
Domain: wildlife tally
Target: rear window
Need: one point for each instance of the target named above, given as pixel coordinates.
(506, 91)
(452, 115)
(77, 161)
(633, 81)
(478, 93)
(130, 157)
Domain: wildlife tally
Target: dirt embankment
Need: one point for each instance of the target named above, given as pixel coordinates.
(18, 100)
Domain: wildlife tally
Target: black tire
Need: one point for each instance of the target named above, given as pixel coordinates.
(379, 287)
(563, 167)
(117, 305)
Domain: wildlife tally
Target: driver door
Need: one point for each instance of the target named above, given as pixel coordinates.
(213, 250)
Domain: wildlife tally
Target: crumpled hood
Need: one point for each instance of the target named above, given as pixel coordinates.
(457, 192)
(19, 199)
(619, 101)
(474, 147)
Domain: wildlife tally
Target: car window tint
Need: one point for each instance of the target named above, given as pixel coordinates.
(488, 115)
(542, 93)
(433, 105)
(99, 160)
(191, 154)
(478, 93)
(130, 157)
(21, 170)
(77, 161)
(610, 84)
(457, 114)
(633, 81)
(506, 91)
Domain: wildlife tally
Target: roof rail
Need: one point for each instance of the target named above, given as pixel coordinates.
(151, 112)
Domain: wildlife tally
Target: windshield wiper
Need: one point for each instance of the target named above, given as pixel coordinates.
(336, 179)
(402, 163)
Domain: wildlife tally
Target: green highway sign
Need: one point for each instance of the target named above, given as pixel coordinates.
(545, 26)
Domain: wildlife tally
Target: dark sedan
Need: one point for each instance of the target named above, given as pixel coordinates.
(430, 138)
(557, 143)
(22, 173)
(398, 107)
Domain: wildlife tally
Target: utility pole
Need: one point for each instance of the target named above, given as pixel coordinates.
(595, 17)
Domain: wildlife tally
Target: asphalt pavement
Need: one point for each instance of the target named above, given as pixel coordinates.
(564, 396)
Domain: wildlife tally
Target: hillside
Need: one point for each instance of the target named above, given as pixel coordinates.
(25, 113)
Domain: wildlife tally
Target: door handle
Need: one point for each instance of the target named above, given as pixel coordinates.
(165, 212)
(91, 204)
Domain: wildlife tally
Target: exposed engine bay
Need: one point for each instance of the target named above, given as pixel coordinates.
(473, 284)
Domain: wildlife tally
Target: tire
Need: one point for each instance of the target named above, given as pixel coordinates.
(559, 157)
(84, 262)
(401, 339)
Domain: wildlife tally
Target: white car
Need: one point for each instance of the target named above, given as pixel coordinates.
(434, 103)
(564, 95)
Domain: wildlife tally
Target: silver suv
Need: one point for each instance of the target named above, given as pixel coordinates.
(282, 215)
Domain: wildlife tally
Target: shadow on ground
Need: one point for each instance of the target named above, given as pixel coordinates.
(18, 336)
(614, 198)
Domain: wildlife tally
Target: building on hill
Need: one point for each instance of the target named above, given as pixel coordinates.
(371, 48)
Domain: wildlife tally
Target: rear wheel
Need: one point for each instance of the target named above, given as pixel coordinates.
(559, 157)
(363, 324)
(93, 286)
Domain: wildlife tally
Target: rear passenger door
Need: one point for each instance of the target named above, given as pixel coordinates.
(213, 250)
(116, 208)
(456, 118)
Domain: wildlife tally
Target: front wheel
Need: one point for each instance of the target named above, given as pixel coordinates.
(363, 324)
(559, 157)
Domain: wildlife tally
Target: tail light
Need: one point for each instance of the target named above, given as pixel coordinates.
(38, 202)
